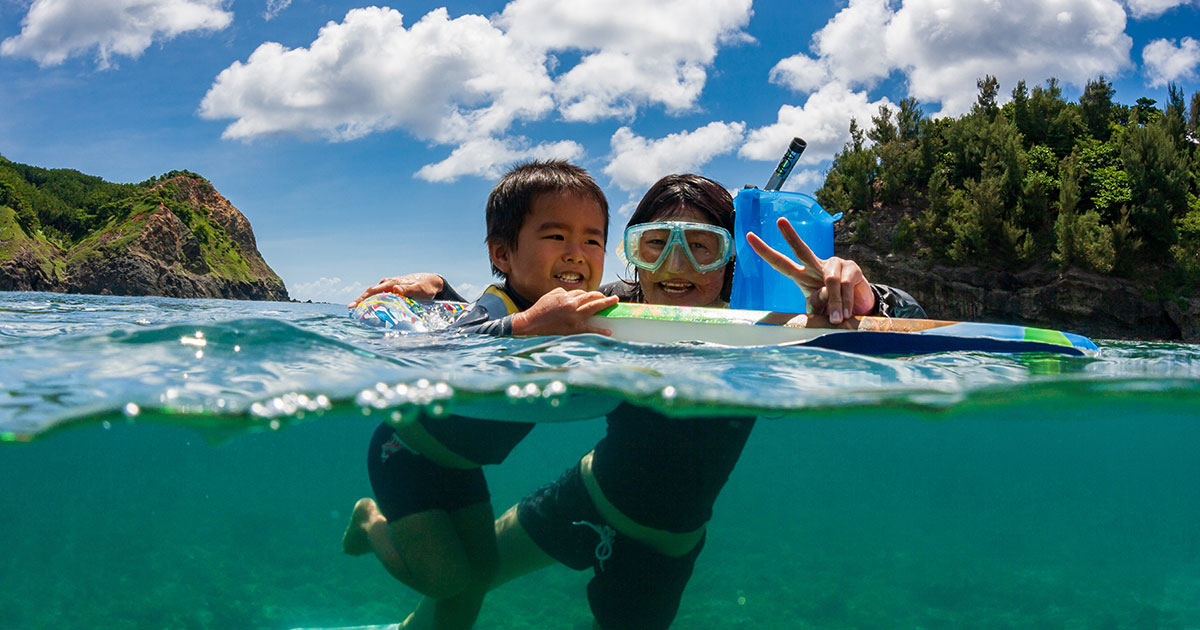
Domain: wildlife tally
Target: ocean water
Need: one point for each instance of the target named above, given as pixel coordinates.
(192, 464)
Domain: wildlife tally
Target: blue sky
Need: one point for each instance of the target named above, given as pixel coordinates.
(361, 140)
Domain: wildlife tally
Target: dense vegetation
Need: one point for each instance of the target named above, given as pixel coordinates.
(65, 206)
(61, 217)
(1095, 184)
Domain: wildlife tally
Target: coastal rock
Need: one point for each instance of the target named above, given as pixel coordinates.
(1077, 301)
(201, 246)
(27, 270)
(1186, 316)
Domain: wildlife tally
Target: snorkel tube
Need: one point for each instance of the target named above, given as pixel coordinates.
(784, 169)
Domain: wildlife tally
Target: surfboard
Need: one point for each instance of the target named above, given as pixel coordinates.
(659, 323)
(868, 335)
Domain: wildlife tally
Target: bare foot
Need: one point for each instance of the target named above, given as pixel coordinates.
(355, 541)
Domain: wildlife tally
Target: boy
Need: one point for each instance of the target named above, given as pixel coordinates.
(431, 523)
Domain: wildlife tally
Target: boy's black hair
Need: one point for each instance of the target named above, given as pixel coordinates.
(512, 198)
(673, 193)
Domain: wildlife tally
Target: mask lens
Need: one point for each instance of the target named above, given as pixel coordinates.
(650, 245)
(705, 245)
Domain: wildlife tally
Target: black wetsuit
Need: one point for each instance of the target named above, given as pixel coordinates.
(406, 482)
(661, 472)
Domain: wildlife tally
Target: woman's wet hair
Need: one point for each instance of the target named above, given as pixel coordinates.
(512, 198)
(669, 196)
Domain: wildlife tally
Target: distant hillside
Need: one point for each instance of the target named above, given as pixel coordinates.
(1075, 215)
(174, 236)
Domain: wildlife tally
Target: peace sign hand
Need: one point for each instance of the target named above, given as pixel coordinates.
(835, 286)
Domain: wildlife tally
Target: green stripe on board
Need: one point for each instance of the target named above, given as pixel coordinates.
(1047, 336)
(663, 312)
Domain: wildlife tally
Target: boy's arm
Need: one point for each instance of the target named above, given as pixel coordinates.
(559, 312)
(418, 286)
(562, 312)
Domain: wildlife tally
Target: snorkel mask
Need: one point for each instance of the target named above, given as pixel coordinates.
(648, 245)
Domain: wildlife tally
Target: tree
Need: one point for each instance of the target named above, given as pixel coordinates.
(1194, 116)
(1158, 179)
(1019, 106)
(26, 217)
(908, 120)
(882, 130)
(850, 183)
(1145, 113)
(1174, 120)
(1039, 189)
(985, 103)
(1096, 108)
(1052, 121)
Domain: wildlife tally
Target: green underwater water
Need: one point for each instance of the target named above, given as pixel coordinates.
(947, 491)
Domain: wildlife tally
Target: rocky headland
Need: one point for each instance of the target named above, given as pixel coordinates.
(174, 236)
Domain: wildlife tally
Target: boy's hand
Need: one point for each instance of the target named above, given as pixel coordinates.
(562, 312)
(835, 286)
(418, 286)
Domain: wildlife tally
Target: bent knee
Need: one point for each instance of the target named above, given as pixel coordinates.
(443, 584)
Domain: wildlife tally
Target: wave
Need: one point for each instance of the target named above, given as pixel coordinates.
(250, 373)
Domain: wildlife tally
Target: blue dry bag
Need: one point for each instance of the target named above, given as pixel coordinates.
(756, 285)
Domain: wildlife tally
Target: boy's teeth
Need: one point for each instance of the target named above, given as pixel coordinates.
(569, 277)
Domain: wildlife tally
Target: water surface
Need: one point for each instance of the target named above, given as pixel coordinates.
(191, 464)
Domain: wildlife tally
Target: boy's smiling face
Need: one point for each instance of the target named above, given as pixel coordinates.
(560, 244)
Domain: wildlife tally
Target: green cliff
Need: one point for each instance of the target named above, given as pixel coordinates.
(174, 235)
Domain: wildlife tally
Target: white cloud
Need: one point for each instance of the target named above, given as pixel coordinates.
(465, 82)
(324, 289)
(850, 49)
(1140, 9)
(804, 180)
(487, 157)
(443, 80)
(823, 121)
(638, 162)
(943, 46)
(1166, 62)
(54, 30)
(274, 8)
(634, 53)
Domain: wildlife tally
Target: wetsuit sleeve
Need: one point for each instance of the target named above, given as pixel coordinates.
(491, 314)
(479, 321)
(892, 302)
(448, 293)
